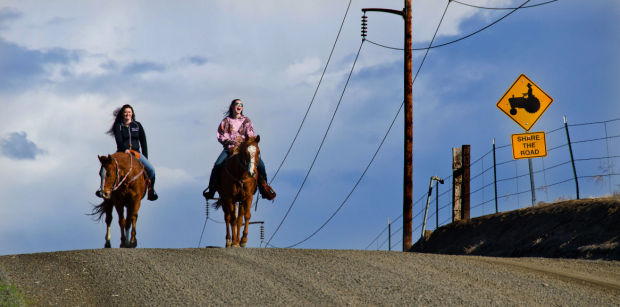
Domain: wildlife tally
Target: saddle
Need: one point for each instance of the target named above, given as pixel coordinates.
(136, 154)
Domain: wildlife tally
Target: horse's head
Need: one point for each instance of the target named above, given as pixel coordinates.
(109, 176)
(249, 153)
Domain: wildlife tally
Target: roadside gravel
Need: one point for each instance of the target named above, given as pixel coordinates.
(217, 276)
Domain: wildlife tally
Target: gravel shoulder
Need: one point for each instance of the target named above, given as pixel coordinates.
(217, 276)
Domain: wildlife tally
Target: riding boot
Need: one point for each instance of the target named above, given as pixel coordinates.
(152, 194)
(209, 192)
(265, 190)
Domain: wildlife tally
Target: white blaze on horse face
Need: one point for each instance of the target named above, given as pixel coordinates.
(252, 152)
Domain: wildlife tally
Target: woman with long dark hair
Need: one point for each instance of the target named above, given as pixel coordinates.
(131, 138)
(231, 132)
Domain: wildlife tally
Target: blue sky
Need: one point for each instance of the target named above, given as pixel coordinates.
(65, 67)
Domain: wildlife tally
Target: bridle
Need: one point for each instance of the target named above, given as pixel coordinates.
(117, 182)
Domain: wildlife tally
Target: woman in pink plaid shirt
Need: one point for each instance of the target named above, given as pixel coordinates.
(233, 130)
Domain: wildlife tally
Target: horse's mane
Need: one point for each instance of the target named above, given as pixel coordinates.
(247, 142)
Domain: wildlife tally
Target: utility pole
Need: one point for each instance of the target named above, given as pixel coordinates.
(408, 135)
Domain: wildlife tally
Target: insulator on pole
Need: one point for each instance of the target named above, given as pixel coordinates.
(207, 209)
(364, 26)
(262, 232)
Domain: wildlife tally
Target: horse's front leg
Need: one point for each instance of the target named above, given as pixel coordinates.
(246, 211)
(236, 225)
(227, 221)
(108, 222)
(133, 218)
(120, 210)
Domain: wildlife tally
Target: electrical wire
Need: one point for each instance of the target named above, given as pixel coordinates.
(309, 105)
(380, 144)
(502, 8)
(356, 183)
(458, 39)
(413, 81)
(320, 146)
(313, 96)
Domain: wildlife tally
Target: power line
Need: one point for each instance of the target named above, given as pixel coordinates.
(313, 96)
(321, 145)
(356, 183)
(458, 39)
(380, 144)
(502, 8)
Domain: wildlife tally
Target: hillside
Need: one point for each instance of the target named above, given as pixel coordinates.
(296, 277)
(586, 228)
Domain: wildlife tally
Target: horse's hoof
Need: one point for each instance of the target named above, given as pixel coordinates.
(235, 246)
(107, 244)
(133, 244)
(242, 244)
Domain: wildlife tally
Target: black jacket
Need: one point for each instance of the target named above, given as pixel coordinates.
(134, 140)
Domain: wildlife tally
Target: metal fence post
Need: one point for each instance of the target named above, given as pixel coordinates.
(389, 234)
(495, 175)
(437, 205)
(572, 160)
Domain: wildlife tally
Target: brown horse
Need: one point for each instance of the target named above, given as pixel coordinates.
(237, 184)
(123, 185)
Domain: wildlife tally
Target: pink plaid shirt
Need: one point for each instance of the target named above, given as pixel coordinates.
(233, 131)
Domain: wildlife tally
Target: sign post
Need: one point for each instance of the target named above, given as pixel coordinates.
(524, 102)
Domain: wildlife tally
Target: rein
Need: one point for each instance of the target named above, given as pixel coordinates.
(117, 185)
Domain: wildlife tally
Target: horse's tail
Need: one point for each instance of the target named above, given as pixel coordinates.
(99, 210)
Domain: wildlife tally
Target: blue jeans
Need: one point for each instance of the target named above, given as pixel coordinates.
(149, 167)
(224, 155)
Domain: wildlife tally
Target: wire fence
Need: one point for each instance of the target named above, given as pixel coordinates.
(581, 162)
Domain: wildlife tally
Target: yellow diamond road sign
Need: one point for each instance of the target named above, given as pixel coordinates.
(524, 102)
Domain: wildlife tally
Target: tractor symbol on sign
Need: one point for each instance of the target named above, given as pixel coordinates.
(530, 104)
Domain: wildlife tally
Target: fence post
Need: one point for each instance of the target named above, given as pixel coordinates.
(389, 234)
(460, 182)
(457, 183)
(466, 172)
(495, 175)
(572, 160)
(437, 205)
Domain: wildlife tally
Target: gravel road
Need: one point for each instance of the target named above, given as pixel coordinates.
(217, 276)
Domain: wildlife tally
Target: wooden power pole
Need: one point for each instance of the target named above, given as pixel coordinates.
(408, 135)
(408, 172)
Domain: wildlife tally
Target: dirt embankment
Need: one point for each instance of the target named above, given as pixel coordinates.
(292, 277)
(586, 228)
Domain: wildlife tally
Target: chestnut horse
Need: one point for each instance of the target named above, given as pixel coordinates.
(124, 183)
(237, 184)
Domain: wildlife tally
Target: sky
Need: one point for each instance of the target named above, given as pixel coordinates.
(65, 66)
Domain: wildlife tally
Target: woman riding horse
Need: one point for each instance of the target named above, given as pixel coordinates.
(130, 137)
(232, 131)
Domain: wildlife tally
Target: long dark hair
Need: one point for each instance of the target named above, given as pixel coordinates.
(118, 117)
(231, 107)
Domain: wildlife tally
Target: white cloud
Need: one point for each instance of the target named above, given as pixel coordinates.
(170, 178)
